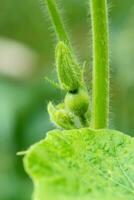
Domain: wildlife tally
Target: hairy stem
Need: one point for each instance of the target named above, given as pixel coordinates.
(57, 22)
(99, 17)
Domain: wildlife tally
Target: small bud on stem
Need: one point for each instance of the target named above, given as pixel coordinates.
(60, 117)
(69, 72)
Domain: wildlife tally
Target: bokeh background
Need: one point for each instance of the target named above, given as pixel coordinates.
(27, 55)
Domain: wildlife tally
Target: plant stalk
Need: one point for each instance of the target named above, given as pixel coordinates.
(100, 32)
(57, 21)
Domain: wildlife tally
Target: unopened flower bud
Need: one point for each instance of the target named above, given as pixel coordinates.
(69, 72)
(60, 117)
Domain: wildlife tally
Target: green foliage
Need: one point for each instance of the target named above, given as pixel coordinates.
(82, 164)
(23, 116)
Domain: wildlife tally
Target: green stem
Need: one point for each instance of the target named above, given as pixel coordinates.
(57, 22)
(99, 17)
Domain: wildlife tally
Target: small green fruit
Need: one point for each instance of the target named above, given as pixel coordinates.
(78, 102)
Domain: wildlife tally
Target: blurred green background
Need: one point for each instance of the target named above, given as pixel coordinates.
(27, 55)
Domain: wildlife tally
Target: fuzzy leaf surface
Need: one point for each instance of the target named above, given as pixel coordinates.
(82, 164)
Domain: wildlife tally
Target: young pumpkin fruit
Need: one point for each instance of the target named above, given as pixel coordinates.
(77, 102)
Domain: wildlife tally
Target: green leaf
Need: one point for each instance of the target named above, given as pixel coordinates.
(82, 164)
